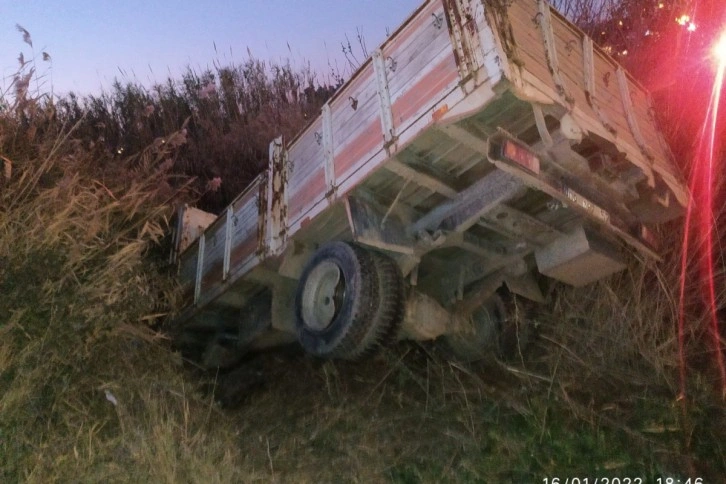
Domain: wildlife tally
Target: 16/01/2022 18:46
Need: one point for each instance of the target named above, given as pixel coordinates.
(621, 480)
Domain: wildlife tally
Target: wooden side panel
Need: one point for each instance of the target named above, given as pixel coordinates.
(305, 158)
(642, 142)
(420, 71)
(526, 23)
(570, 56)
(356, 122)
(421, 50)
(425, 66)
(440, 77)
(655, 144)
(188, 271)
(244, 245)
(608, 97)
(530, 49)
(213, 254)
(246, 230)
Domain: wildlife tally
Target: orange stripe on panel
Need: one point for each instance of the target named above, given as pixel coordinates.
(244, 250)
(421, 94)
(349, 155)
(309, 191)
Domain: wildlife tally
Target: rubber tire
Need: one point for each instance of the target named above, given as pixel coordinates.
(497, 332)
(352, 330)
(389, 312)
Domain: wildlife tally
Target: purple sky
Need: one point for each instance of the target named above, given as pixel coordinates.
(93, 41)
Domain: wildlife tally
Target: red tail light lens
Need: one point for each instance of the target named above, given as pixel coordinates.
(520, 155)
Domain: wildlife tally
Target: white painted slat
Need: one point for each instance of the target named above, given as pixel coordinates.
(588, 69)
(328, 148)
(414, 56)
(384, 98)
(200, 267)
(548, 37)
(227, 243)
(629, 114)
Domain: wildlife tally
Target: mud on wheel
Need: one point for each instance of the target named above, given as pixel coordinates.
(344, 305)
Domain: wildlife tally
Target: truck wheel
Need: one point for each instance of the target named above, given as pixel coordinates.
(497, 330)
(337, 305)
(389, 312)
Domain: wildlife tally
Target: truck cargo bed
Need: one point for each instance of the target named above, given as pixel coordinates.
(404, 159)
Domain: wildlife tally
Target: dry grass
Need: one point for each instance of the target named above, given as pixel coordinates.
(230, 115)
(87, 390)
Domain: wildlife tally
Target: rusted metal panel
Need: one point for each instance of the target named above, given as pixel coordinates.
(262, 203)
(565, 66)
(356, 124)
(248, 224)
(463, 32)
(354, 111)
(609, 94)
(630, 115)
(440, 77)
(568, 42)
(277, 201)
(193, 223)
(358, 150)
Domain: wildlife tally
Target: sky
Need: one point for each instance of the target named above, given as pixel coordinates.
(91, 42)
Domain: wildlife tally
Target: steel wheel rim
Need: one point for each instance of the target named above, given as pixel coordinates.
(323, 296)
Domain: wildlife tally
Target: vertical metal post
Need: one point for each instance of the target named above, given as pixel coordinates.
(548, 37)
(200, 267)
(588, 68)
(277, 198)
(588, 65)
(328, 149)
(384, 97)
(464, 36)
(629, 114)
(227, 243)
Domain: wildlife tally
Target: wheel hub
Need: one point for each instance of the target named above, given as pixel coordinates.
(323, 295)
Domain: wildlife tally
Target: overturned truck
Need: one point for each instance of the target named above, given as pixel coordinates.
(484, 147)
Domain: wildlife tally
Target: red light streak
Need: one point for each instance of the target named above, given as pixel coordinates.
(702, 186)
